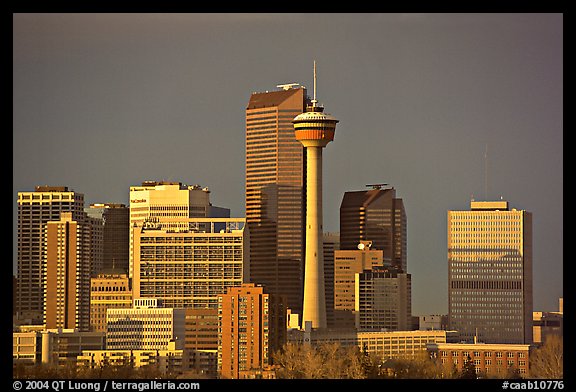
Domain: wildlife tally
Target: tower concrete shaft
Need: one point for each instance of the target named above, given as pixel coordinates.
(314, 308)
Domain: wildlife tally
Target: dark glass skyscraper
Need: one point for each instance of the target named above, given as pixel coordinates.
(375, 215)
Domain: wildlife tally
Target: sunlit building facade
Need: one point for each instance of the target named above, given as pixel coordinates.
(170, 204)
(490, 273)
(35, 209)
(275, 192)
(252, 325)
(190, 267)
(73, 248)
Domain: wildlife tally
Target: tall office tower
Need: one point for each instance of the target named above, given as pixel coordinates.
(375, 215)
(314, 129)
(191, 267)
(331, 242)
(274, 192)
(148, 325)
(383, 300)
(110, 289)
(35, 209)
(72, 246)
(170, 204)
(252, 326)
(116, 220)
(490, 273)
(348, 263)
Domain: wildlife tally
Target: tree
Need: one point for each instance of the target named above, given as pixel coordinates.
(469, 369)
(547, 361)
(419, 366)
(326, 360)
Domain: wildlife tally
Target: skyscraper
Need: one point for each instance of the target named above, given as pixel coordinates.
(171, 204)
(375, 215)
(72, 248)
(189, 268)
(35, 209)
(252, 326)
(383, 300)
(490, 273)
(116, 246)
(275, 189)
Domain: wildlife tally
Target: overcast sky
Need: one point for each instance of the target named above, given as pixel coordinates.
(106, 101)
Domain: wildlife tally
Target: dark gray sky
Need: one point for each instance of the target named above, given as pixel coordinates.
(106, 101)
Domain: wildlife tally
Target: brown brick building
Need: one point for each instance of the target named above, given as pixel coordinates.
(252, 325)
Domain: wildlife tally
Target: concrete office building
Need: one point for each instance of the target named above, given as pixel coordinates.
(190, 267)
(387, 344)
(116, 238)
(383, 300)
(110, 289)
(348, 263)
(490, 273)
(170, 204)
(432, 322)
(546, 324)
(252, 325)
(35, 346)
(275, 192)
(166, 361)
(73, 247)
(314, 129)
(35, 209)
(145, 326)
(375, 215)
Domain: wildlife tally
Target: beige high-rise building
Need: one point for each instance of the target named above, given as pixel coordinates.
(190, 267)
(110, 289)
(35, 209)
(348, 263)
(383, 300)
(148, 325)
(72, 249)
(275, 190)
(490, 273)
(170, 204)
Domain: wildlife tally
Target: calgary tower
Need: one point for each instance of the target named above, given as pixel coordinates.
(314, 129)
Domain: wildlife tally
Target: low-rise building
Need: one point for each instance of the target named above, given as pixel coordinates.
(487, 358)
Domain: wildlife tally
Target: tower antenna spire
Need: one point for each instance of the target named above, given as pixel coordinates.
(314, 101)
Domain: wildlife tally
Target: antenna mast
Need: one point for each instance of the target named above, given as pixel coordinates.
(486, 173)
(314, 101)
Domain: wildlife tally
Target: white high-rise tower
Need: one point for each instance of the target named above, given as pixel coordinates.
(314, 129)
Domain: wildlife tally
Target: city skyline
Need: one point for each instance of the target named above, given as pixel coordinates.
(426, 103)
